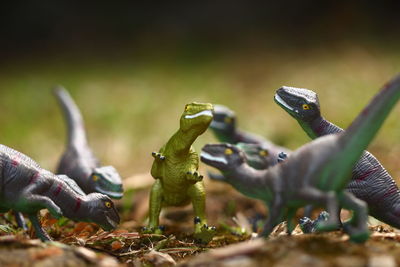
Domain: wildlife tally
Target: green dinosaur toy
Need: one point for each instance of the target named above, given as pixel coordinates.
(175, 169)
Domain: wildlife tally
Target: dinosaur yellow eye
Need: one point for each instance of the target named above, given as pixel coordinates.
(95, 178)
(108, 204)
(228, 120)
(228, 151)
(305, 106)
(263, 153)
(186, 107)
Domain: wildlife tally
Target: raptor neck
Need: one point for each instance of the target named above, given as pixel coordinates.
(181, 142)
(319, 127)
(229, 138)
(238, 136)
(251, 182)
(245, 137)
(72, 205)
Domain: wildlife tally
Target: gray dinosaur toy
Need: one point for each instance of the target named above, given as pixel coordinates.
(26, 187)
(370, 181)
(260, 153)
(224, 127)
(257, 157)
(316, 173)
(78, 161)
(310, 226)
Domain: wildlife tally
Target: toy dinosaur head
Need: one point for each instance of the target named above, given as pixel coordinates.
(302, 104)
(196, 117)
(106, 180)
(224, 121)
(224, 157)
(102, 211)
(257, 156)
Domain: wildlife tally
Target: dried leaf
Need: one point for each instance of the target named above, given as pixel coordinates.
(116, 245)
(159, 259)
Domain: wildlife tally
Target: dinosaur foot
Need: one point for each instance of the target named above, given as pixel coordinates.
(157, 155)
(309, 226)
(153, 230)
(306, 225)
(203, 234)
(327, 226)
(194, 176)
(357, 234)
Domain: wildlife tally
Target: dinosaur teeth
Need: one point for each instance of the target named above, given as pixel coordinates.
(209, 157)
(201, 113)
(282, 102)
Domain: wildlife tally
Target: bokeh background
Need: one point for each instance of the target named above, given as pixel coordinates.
(132, 67)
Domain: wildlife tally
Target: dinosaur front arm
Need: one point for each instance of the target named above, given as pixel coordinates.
(192, 174)
(155, 205)
(156, 170)
(158, 163)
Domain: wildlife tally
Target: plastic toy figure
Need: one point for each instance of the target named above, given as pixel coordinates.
(257, 157)
(225, 129)
(175, 170)
(370, 181)
(78, 161)
(309, 226)
(316, 173)
(27, 188)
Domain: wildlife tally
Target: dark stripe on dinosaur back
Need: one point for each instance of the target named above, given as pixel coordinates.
(390, 192)
(33, 178)
(58, 190)
(15, 162)
(366, 174)
(78, 204)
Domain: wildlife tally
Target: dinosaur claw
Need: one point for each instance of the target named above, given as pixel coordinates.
(197, 220)
(194, 176)
(204, 234)
(306, 225)
(157, 155)
(153, 230)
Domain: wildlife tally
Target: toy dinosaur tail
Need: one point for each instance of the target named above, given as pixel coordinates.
(73, 117)
(361, 132)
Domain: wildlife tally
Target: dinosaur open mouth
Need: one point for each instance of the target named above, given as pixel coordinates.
(111, 222)
(210, 158)
(282, 102)
(201, 113)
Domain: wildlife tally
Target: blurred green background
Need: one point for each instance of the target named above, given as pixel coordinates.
(131, 68)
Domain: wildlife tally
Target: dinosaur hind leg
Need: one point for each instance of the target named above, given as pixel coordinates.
(155, 208)
(19, 218)
(356, 227)
(327, 199)
(290, 217)
(38, 228)
(202, 232)
(275, 215)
